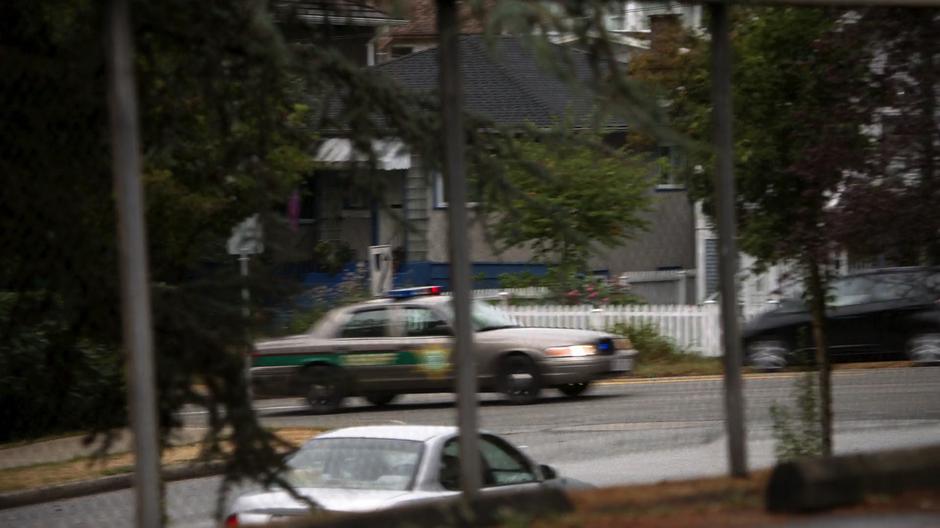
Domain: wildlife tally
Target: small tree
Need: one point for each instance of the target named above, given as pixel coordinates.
(797, 430)
(801, 103)
(563, 195)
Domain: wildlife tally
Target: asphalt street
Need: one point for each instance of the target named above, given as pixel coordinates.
(620, 432)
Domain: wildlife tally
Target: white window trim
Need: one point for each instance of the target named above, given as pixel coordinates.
(440, 201)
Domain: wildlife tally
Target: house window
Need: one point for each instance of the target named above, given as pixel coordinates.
(402, 51)
(711, 266)
(669, 162)
(637, 16)
(474, 192)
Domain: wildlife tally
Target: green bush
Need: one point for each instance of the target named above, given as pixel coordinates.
(797, 431)
(50, 380)
(659, 356)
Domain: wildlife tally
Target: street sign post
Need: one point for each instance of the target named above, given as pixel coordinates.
(247, 237)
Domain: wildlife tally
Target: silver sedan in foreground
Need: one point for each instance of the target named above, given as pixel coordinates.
(359, 469)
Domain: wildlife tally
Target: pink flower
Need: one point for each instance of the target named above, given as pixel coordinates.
(593, 295)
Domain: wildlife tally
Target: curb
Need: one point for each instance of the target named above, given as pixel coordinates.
(83, 488)
(784, 374)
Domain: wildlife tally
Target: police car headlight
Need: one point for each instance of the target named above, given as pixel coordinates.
(571, 351)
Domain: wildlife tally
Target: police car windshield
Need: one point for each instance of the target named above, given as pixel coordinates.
(485, 317)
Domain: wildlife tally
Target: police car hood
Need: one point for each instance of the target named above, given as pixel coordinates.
(540, 337)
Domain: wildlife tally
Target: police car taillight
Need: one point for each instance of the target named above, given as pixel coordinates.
(405, 293)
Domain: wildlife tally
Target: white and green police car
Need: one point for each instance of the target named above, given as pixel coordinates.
(402, 344)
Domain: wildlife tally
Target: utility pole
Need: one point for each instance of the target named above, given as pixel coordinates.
(727, 237)
(454, 142)
(135, 282)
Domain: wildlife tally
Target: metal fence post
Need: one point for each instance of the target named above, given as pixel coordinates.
(454, 142)
(727, 235)
(135, 282)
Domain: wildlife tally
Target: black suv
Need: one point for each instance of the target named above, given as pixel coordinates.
(890, 313)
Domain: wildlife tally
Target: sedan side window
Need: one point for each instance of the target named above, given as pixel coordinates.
(504, 464)
(851, 291)
(367, 323)
(500, 463)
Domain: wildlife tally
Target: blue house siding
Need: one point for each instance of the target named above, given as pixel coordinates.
(432, 273)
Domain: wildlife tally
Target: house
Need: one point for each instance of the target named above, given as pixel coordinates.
(350, 26)
(503, 81)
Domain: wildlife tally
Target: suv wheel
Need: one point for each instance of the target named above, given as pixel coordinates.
(924, 349)
(324, 388)
(767, 354)
(519, 379)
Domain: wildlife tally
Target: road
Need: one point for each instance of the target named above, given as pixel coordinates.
(620, 432)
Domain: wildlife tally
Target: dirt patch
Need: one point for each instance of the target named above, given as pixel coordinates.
(85, 468)
(709, 502)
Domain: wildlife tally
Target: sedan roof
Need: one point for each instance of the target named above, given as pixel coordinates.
(419, 433)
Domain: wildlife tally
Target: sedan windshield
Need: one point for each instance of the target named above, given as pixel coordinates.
(355, 463)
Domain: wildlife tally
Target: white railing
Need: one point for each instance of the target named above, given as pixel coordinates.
(691, 327)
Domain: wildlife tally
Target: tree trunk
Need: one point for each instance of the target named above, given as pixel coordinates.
(928, 104)
(817, 292)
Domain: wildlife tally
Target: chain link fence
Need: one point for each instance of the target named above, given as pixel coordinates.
(229, 116)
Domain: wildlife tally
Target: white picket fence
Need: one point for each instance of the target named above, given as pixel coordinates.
(691, 327)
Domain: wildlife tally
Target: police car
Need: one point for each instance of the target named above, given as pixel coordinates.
(403, 344)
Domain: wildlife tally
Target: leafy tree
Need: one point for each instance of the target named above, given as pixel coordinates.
(801, 103)
(568, 198)
(903, 191)
(230, 107)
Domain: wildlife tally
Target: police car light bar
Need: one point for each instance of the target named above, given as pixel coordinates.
(405, 293)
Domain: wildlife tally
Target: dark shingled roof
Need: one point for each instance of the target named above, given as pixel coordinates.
(503, 82)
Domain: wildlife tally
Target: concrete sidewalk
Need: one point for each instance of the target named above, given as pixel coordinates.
(74, 446)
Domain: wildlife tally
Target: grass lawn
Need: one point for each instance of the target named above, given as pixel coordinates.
(86, 468)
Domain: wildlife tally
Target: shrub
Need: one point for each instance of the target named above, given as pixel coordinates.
(52, 380)
(660, 356)
(797, 432)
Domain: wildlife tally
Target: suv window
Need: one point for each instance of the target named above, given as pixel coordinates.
(424, 322)
(367, 323)
(851, 291)
(898, 286)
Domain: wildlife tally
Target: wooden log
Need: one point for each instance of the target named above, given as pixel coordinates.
(821, 483)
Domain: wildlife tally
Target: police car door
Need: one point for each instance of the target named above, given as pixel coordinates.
(427, 342)
(367, 349)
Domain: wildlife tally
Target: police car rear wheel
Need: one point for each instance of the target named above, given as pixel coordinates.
(380, 398)
(573, 389)
(519, 379)
(325, 388)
